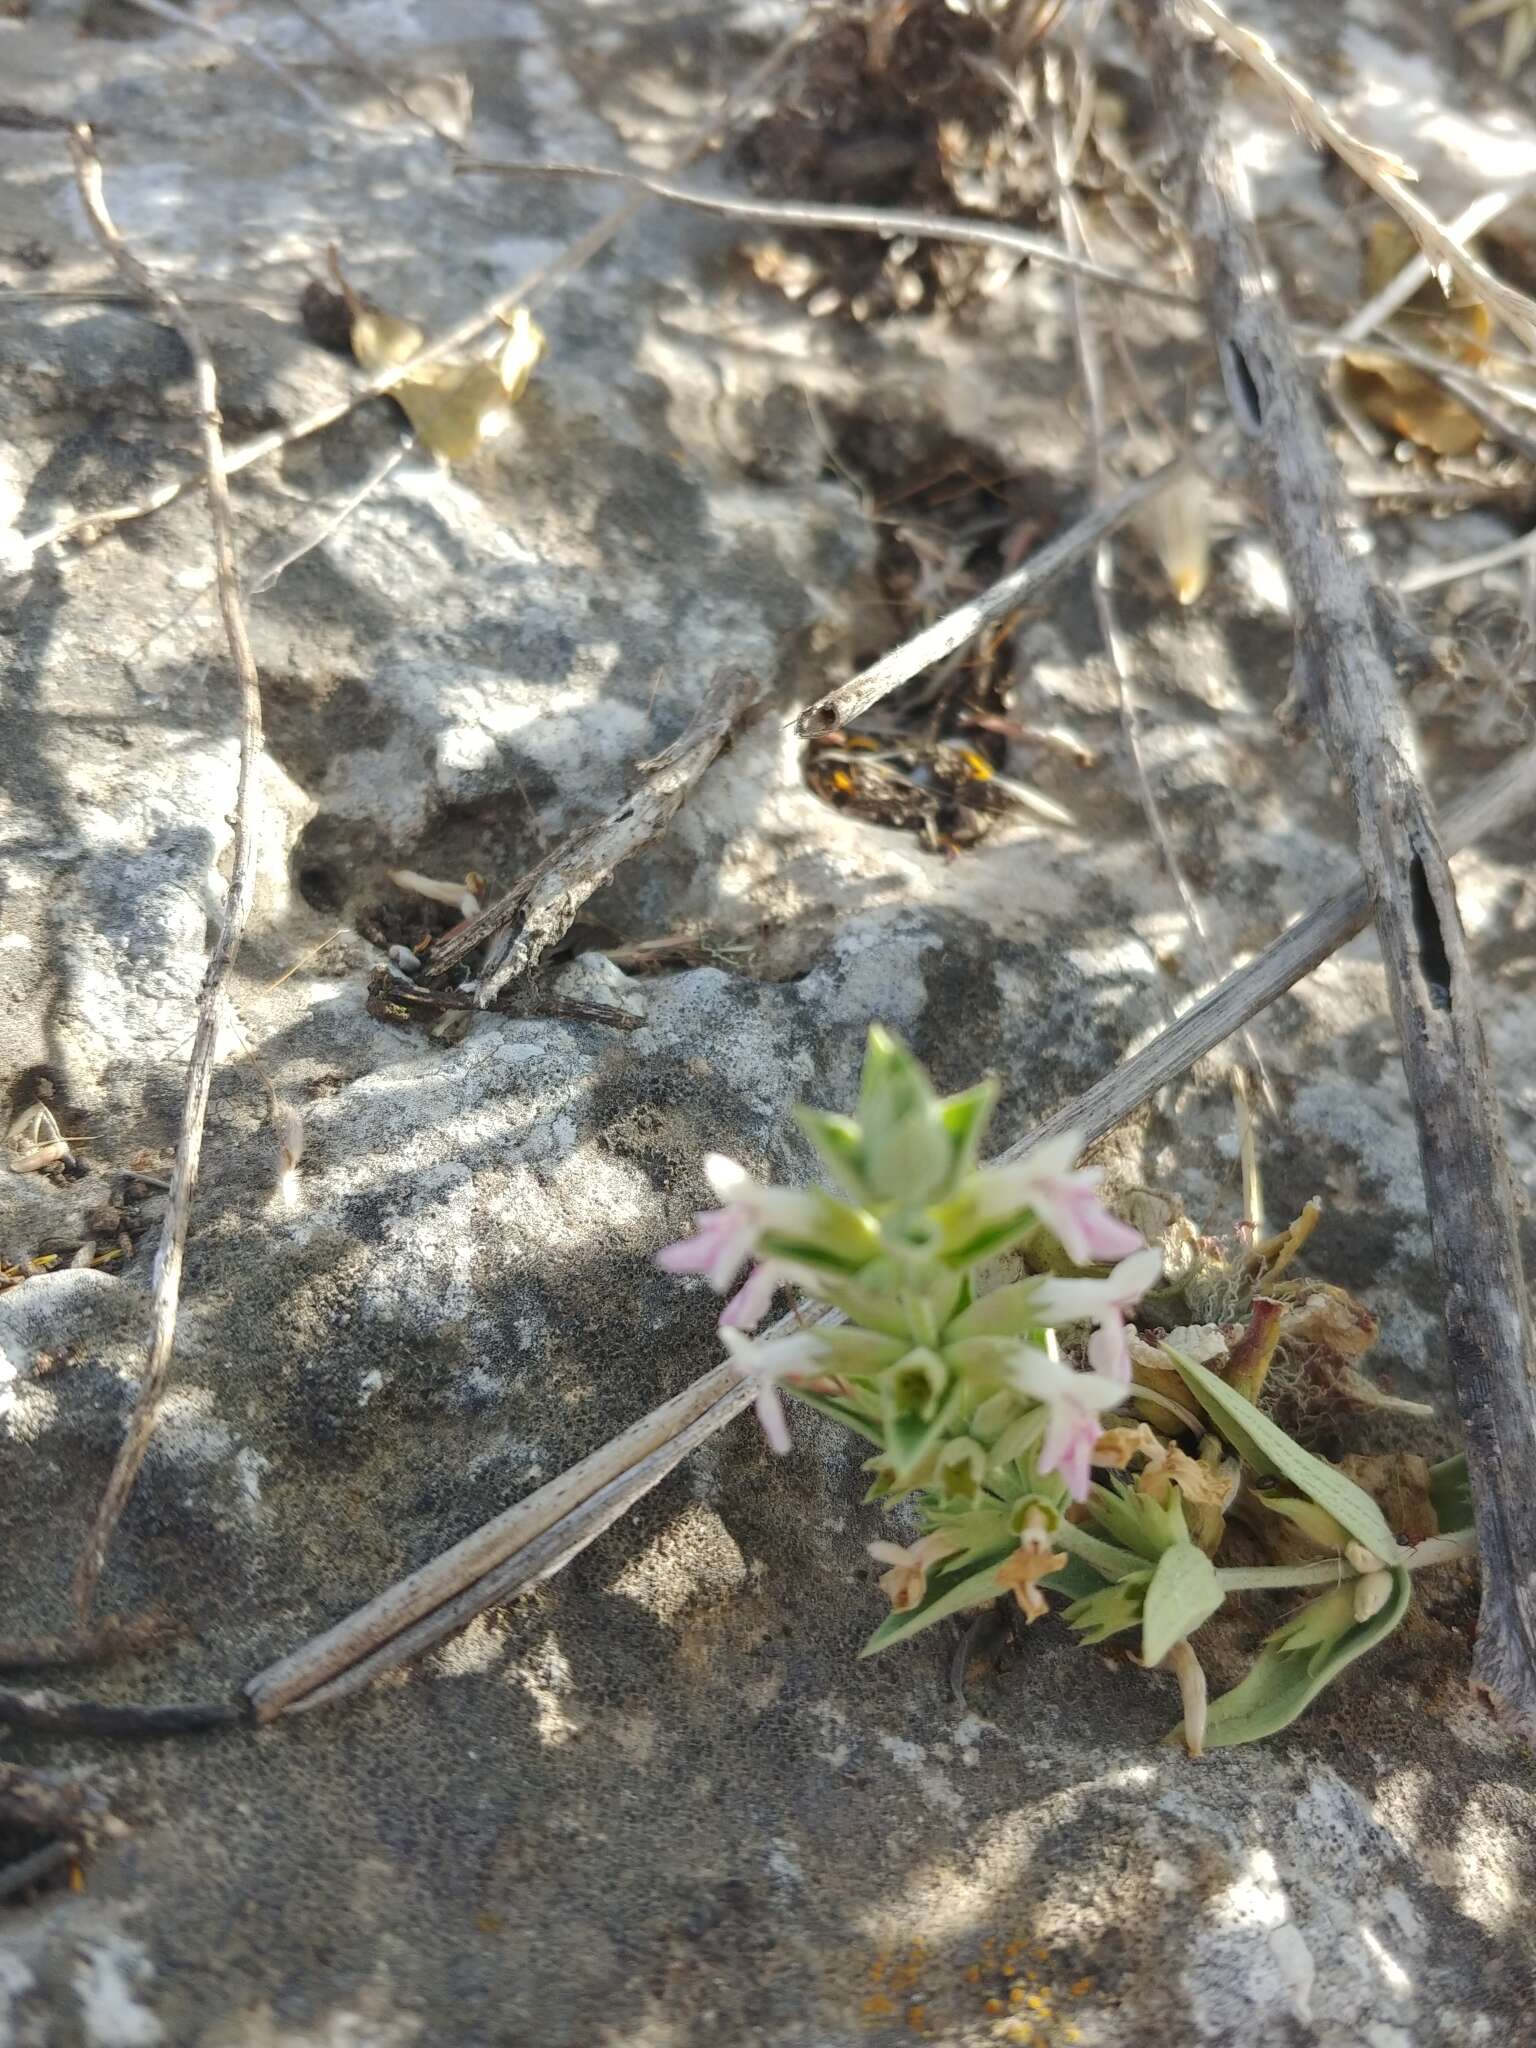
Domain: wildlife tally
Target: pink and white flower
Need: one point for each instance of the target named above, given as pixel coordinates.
(1108, 1301)
(727, 1237)
(1063, 1197)
(765, 1365)
(723, 1242)
(753, 1299)
(1074, 1403)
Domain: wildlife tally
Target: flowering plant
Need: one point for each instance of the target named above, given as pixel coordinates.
(969, 1404)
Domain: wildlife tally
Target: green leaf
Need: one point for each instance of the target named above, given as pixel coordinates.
(892, 1083)
(1284, 1682)
(912, 1430)
(839, 1144)
(1184, 1592)
(965, 1117)
(857, 1354)
(1003, 1312)
(1020, 1437)
(864, 1304)
(1107, 1559)
(817, 1258)
(1450, 1489)
(1077, 1580)
(1111, 1609)
(1264, 1445)
(1315, 1523)
(908, 1159)
(947, 1594)
(987, 1240)
(1138, 1522)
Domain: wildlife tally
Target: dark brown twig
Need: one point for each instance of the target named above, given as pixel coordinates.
(242, 873)
(1344, 640)
(47, 1713)
(399, 1001)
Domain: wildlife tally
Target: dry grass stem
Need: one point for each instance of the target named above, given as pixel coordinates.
(180, 17)
(865, 220)
(242, 873)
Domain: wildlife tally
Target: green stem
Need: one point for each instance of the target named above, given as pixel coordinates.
(1108, 1559)
(1336, 1571)
(1262, 1578)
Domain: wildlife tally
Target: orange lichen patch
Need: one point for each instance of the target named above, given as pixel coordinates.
(938, 1994)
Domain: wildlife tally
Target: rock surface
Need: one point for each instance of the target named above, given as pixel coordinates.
(657, 1801)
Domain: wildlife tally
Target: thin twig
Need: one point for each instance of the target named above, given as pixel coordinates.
(31, 1870)
(539, 1559)
(1477, 393)
(563, 1515)
(1433, 574)
(371, 74)
(242, 874)
(48, 1714)
(120, 1637)
(179, 17)
(900, 664)
(864, 220)
(331, 523)
(543, 904)
(852, 699)
(557, 1506)
(1384, 175)
(1417, 271)
(536, 286)
(1060, 155)
(1345, 660)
